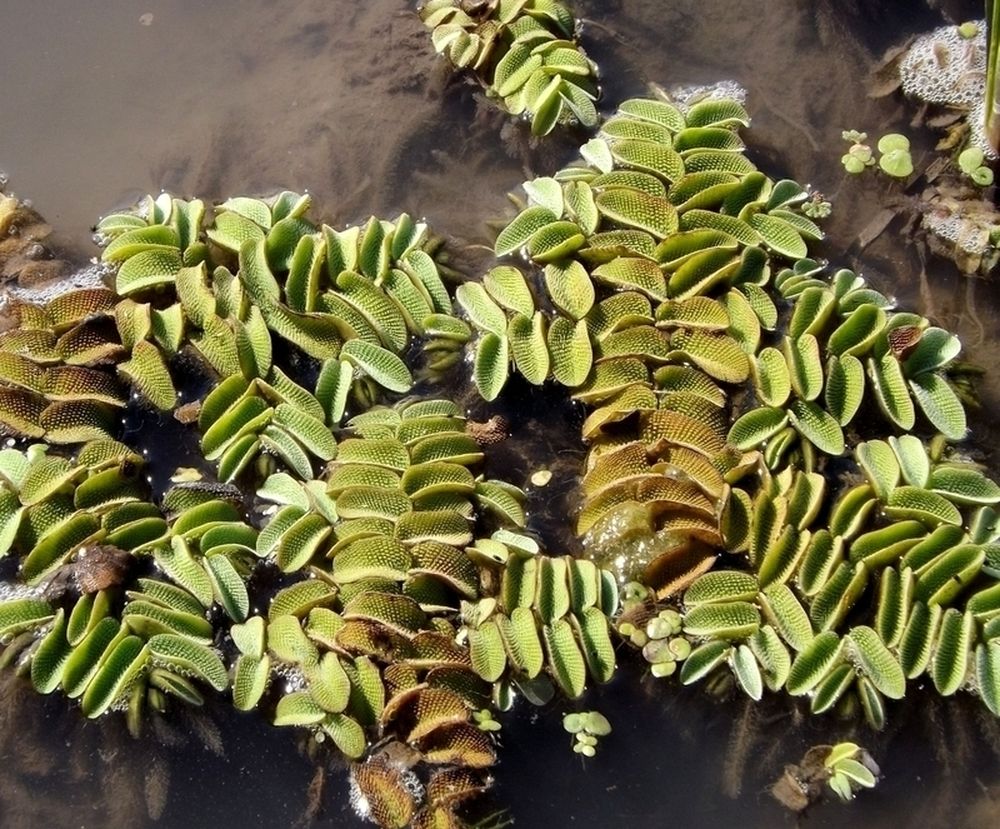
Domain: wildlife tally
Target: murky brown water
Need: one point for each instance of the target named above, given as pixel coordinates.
(344, 98)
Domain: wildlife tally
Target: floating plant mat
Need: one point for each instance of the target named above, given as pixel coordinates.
(561, 757)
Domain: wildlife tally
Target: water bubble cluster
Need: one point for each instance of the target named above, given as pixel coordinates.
(942, 67)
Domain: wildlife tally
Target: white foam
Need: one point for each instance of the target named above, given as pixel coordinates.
(944, 68)
(92, 276)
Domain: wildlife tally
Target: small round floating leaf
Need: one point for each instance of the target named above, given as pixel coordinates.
(701, 271)
(813, 308)
(650, 157)
(736, 520)
(935, 349)
(717, 112)
(329, 684)
(308, 431)
(504, 502)
(21, 412)
(146, 619)
(230, 589)
(249, 636)
(949, 574)
(873, 705)
(858, 332)
(57, 545)
(86, 656)
(633, 208)
(555, 241)
(178, 563)
(838, 595)
(597, 154)
(514, 69)
(620, 128)
(699, 160)
(654, 111)
(301, 542)
(49, 658)
(545, 192)
(595, 641)
(570, 288)
(785, 612)
(508, 287)
(719, 356)
(298, 708)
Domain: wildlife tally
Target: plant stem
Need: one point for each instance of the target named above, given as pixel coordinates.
(992, 110)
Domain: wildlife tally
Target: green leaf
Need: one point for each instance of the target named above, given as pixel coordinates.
(891, 392)
(817, 426)
(516, 235)
(384, 367)
(877, 662)
(747, 672)
(492, 365)
(845, 387)
(940, 404)
(484, 313)
(756, 426)
(922, 505)
(571, 350)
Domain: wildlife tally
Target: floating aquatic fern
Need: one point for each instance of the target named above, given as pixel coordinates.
(526, 54)
(721, 370)
(657, 251)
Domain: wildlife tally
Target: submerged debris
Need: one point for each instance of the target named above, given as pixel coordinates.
(845, 768)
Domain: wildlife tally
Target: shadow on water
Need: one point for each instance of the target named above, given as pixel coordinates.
(346, 99)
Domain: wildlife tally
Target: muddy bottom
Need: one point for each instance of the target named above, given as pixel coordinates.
(102, 102)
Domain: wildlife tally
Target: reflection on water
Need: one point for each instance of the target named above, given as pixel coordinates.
(345, 98)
